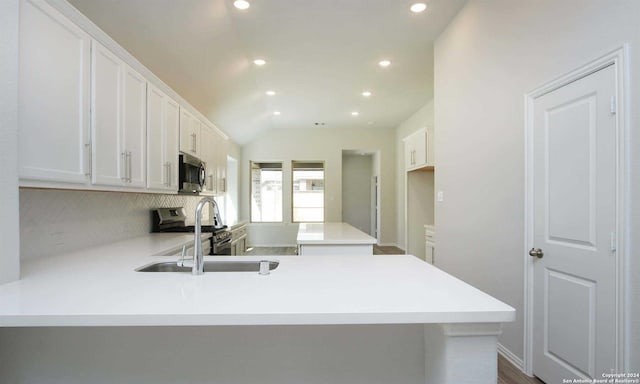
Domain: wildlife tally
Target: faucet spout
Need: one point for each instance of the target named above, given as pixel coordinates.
(198, 258)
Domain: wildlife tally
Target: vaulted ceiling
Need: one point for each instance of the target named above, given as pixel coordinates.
(321, 55)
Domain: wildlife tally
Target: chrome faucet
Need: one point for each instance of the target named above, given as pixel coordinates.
(198, 258)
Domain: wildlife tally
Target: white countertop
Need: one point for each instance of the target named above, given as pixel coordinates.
(99, 287)
(332, 233)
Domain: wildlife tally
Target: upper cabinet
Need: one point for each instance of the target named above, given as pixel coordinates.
(54, 86)
(416, 150)
(214, 155)
(190, 134)
(208, 156)
(163, 123)
(118, 121)
(89, 120)
(221, 174)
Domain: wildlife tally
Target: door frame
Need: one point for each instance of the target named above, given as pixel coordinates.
(618, 58)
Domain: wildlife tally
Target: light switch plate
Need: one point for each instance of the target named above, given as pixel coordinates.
(440, 196)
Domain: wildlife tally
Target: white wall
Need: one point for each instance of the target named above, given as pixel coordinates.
(327, 145)
(491, 54)
(357, 171)
(423, 118)
(9, 235)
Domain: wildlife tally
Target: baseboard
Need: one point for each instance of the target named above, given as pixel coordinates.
(511, 357)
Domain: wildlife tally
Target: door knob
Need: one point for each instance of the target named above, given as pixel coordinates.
(536, 252)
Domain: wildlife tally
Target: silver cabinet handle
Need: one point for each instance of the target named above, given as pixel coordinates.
(166, 173)
(536, 252)
(168, 168)
(130, 167)
(193, 142)
(87, 161)
(125, 167)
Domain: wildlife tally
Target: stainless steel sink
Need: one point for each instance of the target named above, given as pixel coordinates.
(209, 266)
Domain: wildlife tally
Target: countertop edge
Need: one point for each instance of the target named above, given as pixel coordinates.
(101, 320)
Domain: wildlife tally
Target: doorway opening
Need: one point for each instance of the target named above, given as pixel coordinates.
(361, 190)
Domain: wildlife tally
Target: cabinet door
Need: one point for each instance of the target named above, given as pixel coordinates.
(242, 246)
(163, 122)
(53, 96)
(171, 137)
(156, 166)
(135, 127)
(408, 153)
(208, 156)
(196, 133)
(221, 174)
(415, 150)
(108, 156)
(420, 149)
(188, 135)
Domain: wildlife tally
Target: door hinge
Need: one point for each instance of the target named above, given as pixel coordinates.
(614, 241)
(614, 105)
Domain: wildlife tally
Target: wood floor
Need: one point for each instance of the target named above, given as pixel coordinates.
(507, 373)
(387, 250)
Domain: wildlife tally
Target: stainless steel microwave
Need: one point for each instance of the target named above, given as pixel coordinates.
(192, 174)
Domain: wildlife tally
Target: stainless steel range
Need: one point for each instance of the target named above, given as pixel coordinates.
(174, 220)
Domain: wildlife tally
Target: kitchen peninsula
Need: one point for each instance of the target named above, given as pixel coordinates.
(334, 319)
(321, 239)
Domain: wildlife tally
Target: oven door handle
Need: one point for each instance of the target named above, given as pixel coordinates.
(223, 243)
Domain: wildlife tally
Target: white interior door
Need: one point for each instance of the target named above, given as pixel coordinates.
(574, 228)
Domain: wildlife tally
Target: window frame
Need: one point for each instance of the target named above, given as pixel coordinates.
(324, 190)
(283, 189)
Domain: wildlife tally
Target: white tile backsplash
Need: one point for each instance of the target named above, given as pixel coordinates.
(57, 221)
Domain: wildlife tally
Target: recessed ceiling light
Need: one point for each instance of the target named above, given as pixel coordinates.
(241, 4)
(366, 93)
(276, 113)
(270, 93)
(385, 63)
(418, 7)
(355, 113)
(259, 62)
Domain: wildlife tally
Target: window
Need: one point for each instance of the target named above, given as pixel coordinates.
(266, 192)
(308, 191)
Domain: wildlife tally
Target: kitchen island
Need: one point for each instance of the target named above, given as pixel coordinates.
(89, 317)
(321, 239)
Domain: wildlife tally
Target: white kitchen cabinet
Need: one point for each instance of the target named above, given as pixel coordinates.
(429, 243)
(54, 98)
(239, 240)
(221, 173)
(214, 154)
(415, 150)
(118, 121)
(135, 126)
(208, 156)
(163, 123)
(190, 134)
